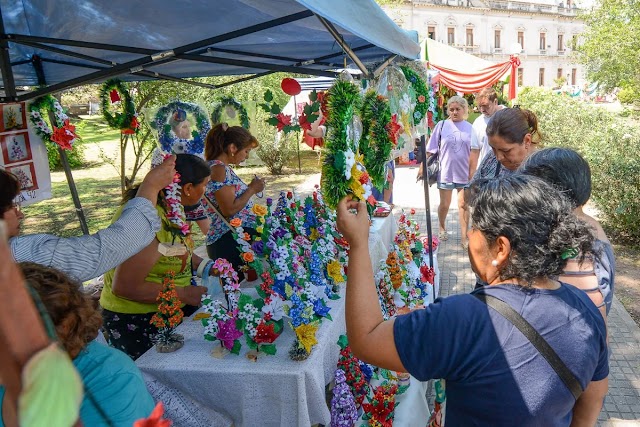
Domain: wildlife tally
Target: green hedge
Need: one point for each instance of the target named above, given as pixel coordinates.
(610, 144)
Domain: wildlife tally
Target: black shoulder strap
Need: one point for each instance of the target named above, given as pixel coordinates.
(567, 377)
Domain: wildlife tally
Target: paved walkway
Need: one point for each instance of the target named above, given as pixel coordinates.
(622, 405)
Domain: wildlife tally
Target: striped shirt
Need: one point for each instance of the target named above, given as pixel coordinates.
(89, 256)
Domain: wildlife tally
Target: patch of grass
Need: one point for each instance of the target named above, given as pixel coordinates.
(94, 129)
(99, 192)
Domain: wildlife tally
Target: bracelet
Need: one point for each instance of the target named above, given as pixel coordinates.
(202, 266)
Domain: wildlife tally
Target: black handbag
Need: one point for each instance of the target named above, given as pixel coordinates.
(433, 162)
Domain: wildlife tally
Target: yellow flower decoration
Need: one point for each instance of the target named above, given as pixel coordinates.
(259, 210)
(259, 229)
(334, 270)
(306, 334)
(357, 189)
(314, 234)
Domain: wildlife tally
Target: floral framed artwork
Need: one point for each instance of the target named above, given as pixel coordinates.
(16, 148)
(13, 117)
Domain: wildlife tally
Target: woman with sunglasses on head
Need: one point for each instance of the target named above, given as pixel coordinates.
(229, 196)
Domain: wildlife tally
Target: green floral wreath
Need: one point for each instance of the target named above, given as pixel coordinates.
(422, 93)
(120, 120)
(227, 101)
(375, 144)
(343, 101)
(36, 110)
(169, 141)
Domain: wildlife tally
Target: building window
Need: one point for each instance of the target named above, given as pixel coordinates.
(520, 77)
(559, 72)
(574, 42)
(451, 36)
(521, 39)
(543, 41)
(560, 42)
(431, 31)
(574, 75)
(541, 77)
(496, 39)
(469, 36)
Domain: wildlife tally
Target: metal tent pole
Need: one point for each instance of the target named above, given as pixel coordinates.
(72, 184)
(427, 203)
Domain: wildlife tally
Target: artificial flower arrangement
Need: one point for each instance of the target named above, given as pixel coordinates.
(305, 263)
(63, 133)
(343, 170)
(168, 317)
(259, 319)
(284, 122)
(175, 211)
(363, 395)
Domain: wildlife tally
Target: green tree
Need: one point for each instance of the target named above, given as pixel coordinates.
(610, 44)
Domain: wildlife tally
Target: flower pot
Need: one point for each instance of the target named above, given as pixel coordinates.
(252, 275)
(173, 343)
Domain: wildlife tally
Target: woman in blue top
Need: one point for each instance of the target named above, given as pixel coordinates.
(570, 173)
(115, 393)
(522, 230)
(229, 145)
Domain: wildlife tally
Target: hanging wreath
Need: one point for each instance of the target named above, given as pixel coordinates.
(63, 133)
(422, 93)
(114, 91)
(343, 171)
(378, 133)
(231, 103)
(169, 141)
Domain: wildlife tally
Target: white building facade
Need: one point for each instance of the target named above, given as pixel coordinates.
(492, 29)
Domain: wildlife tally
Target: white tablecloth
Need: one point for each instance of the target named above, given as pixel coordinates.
(200, 390)
(273, 391)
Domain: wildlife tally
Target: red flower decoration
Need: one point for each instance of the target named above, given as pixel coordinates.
(430, 120)
(64, 135)
(133, 126)
(393, 129)
(413, 211)
(114, 96)
(283, 120)
(421, 98)
(427, 274)
(303, 122)
(155, 419)
(265, 333)
(371, 200)
(364, 178)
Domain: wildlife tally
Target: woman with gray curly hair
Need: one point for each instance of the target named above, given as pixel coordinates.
(484, 344)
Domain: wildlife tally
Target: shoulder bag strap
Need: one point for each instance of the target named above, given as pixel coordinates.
(212, 207)
(567, 377)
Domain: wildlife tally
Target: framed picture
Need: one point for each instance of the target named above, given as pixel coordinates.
(13, 117)
(15, 148)
(26, 175)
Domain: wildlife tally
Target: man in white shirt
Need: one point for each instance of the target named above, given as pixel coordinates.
(487, 102)
(89, 256)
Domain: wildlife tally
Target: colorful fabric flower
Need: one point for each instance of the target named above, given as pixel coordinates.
(259, 210)
(334, 270)
(235, 222)
(265, 333)
(228, 333)
(306, 334)
(283, 120)
(247, 257)
(274, 308)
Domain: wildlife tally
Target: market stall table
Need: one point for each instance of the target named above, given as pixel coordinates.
(273, 391)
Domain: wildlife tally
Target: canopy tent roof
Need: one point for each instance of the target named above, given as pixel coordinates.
(63, 43)
(446, 56)
(478, 73)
